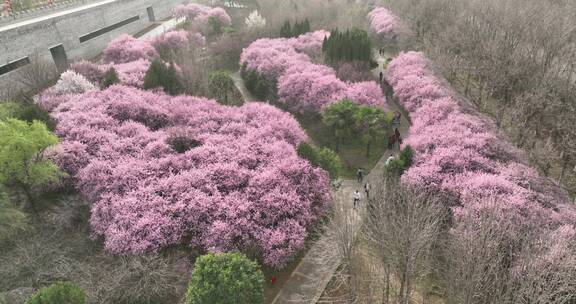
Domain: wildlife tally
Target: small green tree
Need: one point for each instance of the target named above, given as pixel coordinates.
(329, 161)
(215, 25)
(286, 30)
(321, 157)
(306, 151)
(372, 123)
(27, 111)
(59, 293)
(110, 78)
(340, 117)
(225, 278)
(221, 86)
(406, 156)
(22, 162)
(160, 75)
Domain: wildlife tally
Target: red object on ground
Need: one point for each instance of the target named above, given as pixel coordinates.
(273, 280)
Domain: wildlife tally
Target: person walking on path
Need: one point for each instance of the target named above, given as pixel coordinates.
(360, 175)
(391, 141)
(389, 159)
(356, 197)
(367, 190)
(396, 120)
(398, 138)
(381, 76)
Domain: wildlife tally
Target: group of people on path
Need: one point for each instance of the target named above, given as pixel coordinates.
(394, 142)
(357, 196)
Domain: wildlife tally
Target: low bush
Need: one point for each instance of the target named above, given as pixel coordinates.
(321, 157)
(226, 278)
(161, 76)
(110, 78)
(58, 293)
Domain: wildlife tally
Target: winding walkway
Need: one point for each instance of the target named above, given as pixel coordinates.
(310, 278)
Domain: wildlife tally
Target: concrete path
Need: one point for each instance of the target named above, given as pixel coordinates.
(239, 82)
(310, 278)
(312, 275)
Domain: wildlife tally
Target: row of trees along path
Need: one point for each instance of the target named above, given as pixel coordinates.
(310, 278)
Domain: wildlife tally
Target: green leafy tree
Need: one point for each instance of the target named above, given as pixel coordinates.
(160, 75)
(329, 161)
(340, 117)
(27, 111)
(286, 30)
(215, 26)
(110, 78)
(22, 162)
(59, 293)
(351, 45)
(223, 278)
(221, 86)
(406, 156)
(373, 124)
(400, 163)
(306, 151)
(321, 157)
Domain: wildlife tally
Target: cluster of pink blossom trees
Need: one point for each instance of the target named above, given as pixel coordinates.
(302, 85)
(383, 22)
(162, 170)
(131, 57)
(200, 14)
(459, 153)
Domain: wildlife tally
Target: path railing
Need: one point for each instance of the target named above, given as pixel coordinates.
(11, 10)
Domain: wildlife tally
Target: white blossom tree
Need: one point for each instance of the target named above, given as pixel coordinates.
(255, 21)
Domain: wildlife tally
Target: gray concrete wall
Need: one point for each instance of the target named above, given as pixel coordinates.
(35, 37)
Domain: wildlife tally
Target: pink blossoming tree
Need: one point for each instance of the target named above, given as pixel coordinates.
(161, 170)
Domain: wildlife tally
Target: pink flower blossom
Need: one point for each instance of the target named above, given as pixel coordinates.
(235, 183)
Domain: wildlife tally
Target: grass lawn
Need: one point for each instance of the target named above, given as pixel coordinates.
(352, 150)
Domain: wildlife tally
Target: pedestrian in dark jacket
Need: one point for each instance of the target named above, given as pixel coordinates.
(360, 175)
(398, 138)
(381, 76)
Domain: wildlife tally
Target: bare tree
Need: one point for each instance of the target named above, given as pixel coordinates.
(404, 224)
(36, 76)
(477, 254)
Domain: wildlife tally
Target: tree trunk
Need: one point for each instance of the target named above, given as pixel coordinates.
(386, 295)
(368, 149)
(28, 203)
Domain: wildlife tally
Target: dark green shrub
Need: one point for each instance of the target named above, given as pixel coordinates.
(27, 111)
(329, 161)
(215, 26)
(110, 78)
(182, 144)
(225, 278)
(299, 28)
(352, 45)
(406, 156)
(321, 157)
(58, 293)
(257, 84)
(221, 87)
(401, 163)
(160, 75)
(306, 151)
